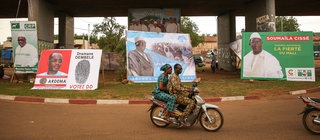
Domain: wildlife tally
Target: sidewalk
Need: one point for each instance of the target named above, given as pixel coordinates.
(93, 101)
(98, 101)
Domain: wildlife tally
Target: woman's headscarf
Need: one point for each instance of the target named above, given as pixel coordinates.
(165, 67)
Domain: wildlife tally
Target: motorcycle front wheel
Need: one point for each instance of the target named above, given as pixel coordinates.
(216, 118)
(308, 121)
(157, 112)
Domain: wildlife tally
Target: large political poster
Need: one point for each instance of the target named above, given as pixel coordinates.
(25, 46)
(154, 20)
(148, 51)
(278, 56)
(68, 69)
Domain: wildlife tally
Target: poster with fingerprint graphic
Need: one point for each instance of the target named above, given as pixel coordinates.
(68, 69)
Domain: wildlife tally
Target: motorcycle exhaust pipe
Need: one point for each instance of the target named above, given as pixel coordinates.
(160, 119)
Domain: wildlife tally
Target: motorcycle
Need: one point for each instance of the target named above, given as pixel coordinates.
(311, 114)
(208, 115)
(214, 64)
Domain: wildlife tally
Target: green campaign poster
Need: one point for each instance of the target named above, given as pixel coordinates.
(25, 46)
(278, 56)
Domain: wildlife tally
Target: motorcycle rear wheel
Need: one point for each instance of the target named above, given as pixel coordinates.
(157, 112)
(216, 117)
(308, 123)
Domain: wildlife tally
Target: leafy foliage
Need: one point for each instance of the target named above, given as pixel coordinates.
(93, 38)
(122, 70)
(112, 33)
(287, 24)
(112, 40)
(191, 28)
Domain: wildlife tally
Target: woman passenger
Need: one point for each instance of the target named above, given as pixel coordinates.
(160, 92)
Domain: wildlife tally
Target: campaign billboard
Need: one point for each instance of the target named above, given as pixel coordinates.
(25, 46)
(278, 56)
(68, 69)
(148, 51)
(154, 20)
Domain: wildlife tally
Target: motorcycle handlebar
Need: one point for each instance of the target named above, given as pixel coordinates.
(192, 92)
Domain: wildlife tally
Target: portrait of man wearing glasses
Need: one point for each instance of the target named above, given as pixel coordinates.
(54, 63)
(260, 63)
(140, 63)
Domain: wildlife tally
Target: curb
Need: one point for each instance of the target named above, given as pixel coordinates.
(316, 89)
(92, 101)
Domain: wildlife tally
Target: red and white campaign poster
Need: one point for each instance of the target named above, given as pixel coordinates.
(68, 69)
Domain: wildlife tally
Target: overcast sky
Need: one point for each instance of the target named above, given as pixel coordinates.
(206, 24)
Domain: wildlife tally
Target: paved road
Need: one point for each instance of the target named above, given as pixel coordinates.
(265, 119)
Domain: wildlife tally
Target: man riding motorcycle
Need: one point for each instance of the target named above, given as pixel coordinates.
(180, 92)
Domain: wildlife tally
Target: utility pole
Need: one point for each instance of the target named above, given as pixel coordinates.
(281, 24)
(88, 35)
(83, 44)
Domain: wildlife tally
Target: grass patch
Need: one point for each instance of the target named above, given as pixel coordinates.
(213, 84)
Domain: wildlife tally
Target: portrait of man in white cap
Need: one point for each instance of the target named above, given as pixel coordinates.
(260, 63)
(26, 55)
(139, 62)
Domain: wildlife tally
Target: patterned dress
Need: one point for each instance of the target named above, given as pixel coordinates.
(180, 92)
(164, 95)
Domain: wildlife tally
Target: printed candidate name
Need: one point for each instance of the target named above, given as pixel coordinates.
(84, 55)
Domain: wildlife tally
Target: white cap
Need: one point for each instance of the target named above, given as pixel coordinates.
(138, 38)
(255, 35)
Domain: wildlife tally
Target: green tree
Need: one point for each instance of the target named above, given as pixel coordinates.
(121, 49)
(76, 36)
(93, 38)
(112, 40)
(191, 28)
(55, 37)
(111, 31)
(287, 24)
